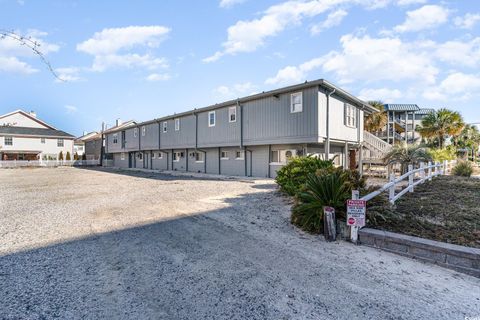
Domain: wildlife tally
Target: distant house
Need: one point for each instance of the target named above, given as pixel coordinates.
(25, 137)
(79, 143)
(403, 120)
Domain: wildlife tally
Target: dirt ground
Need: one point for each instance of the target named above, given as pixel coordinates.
(95, 244)
(445, 209)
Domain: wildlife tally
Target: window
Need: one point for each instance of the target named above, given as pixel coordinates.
(135, 132)
(177, 156)
(177, 124)
(296, 102)
(282, 156)
(9, 141)
(122, 156)
(211, 119)
(144, 130)
(115, 138)
(165, 126)
(224, 155)
(198, 156)
(42, 140)
(232, 114)
(160, 155)
(239, 155)
(350, 116)
(60, 143)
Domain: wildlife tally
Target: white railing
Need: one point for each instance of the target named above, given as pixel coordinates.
(414, 176)
(376, 142)
(47, 163)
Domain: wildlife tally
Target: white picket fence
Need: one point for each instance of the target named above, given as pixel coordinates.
(414, 176)
(47, 163)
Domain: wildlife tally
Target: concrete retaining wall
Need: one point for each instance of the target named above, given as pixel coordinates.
(459, 258)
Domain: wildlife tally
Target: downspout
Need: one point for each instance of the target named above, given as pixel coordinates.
(327, 142)
(240, 107)
(186, 159)
(196, 144)
(269, 158)
(219, 160)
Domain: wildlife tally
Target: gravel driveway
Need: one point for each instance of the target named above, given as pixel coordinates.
(90, 244)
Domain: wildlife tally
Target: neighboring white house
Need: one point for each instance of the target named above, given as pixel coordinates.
(25, 137)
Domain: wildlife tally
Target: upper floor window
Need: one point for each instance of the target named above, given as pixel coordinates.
(350, 116)
(9, 141)
(144, 130)
(211, 119)
(177, 124)
(115, 138)
(296, 102)
(42, 140)
(60, 143)
(165, 126)
(232, 114)
(135, 132)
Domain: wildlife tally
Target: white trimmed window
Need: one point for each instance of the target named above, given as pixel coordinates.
(153, 155)
(177, 124)
(350, 116)
(122, 156)
(199, 156)
(115, 138)
(177, 156)
(296, 103)
(135, 132)
(239, 155)
(211, 119)
(140, 156)
(42, 140)
(165, 124)
(224, 155)
(60, 143)
(9, 141)
(144, 130)
(160, 155)
(232, 114)
(282, 156)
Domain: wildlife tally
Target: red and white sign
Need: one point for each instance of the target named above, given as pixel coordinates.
(356, 211)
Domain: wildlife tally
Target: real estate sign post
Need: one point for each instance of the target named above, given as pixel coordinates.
(356, 211)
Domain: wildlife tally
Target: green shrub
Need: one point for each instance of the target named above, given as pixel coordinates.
(68, 157)
(441, 155)
(463, 169)
(60, 155)
(329, 189)
(294, 174)
(75, 156)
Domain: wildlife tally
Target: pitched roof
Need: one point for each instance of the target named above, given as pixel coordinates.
(28, 115)
(38, 132)
(121, 126)
(86, 136)
(401, 107)
(425, 111)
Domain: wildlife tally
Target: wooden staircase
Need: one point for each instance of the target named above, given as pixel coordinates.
(374, 149)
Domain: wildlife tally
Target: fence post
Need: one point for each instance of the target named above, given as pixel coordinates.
(422, 172)
(429, 171)
(410, 178)
(445, 164)
(392, 188)
(354, 229)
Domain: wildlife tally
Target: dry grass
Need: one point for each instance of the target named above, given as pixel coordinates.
(446, 209)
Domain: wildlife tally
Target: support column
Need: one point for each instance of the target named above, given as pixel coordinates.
(346, 163)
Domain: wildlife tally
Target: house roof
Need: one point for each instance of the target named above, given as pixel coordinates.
(37, 132)
(86, 136)
(121, 126)
(93, 137)
(28, 115)
(425, 111)
(307, 84)
(401, 107)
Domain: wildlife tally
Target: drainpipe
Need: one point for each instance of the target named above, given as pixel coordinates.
(219, 160)
(196, 144)
(240, 107)
(186, 159)
(269, 159)
(327, 142)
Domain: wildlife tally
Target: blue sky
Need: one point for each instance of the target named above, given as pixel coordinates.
(145, 59)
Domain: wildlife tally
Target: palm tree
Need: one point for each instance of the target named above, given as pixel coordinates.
(378, 120)
(440, 124)
(470, 138)
(407, 154)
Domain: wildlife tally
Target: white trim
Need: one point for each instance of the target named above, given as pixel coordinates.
(350, 115)
(160, 155)
(177, 124)
(144, 130)
(135, 132)
(242, 155)
(214, 118)
(165, 126)
(122, 156)
(226, 155)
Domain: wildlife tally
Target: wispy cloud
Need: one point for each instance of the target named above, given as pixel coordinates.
(71, 109)
(333, 19)
(229, 3)
(426, 17)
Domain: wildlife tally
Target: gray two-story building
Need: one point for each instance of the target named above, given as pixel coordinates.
(250, 136)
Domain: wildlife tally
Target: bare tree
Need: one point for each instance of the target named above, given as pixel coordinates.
(32, 44)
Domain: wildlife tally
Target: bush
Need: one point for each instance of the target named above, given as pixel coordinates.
(84, 156)
(330, 189)
(68, 157)
(60, 155)
(441, 155)
(293, 175)
(75, 156)
(463, 169)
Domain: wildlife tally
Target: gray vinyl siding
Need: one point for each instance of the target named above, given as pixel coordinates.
(150, 140)
(269, 120)
(183, 138)
(138, 161)
(93, 149)
(212, 160)
(180, 165)
(194, 166)
(118, 162)
(232, 166)
(257, 161)
(224, 133)
(131, 142)
(160, 164)
(113, 147)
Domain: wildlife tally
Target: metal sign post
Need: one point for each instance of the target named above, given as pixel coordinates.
(356, 212)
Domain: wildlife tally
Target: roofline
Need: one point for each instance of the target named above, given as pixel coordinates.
(69, 137)
(307, 84)
(29, 116)
(124, 125)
